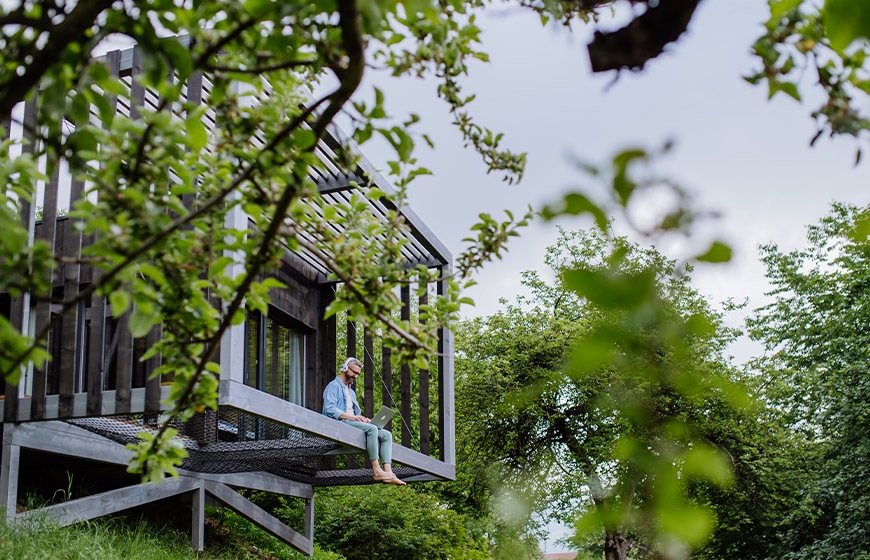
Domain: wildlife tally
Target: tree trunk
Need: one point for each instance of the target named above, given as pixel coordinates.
(615, 546)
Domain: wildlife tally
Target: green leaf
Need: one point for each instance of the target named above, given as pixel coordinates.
(196, 131)
(846, 21)
(689, 523)
(120, 302)
(179, 58)
(778, 8)
(707, 463)
(790, 89)
(717, 253)
(575, 204)
(141, 323)
(611, 290)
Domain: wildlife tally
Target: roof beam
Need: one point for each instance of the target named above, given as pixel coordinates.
(346, 182)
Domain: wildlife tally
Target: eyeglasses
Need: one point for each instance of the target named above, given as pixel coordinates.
(355, 371)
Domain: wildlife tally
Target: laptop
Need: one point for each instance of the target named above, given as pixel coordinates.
(383, 416)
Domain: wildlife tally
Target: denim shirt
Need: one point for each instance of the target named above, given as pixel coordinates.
(334, 404)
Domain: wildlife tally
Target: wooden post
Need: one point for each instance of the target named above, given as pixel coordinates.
(124, 362)
(9, 460)
(197, 529)
(424, 394)
(351, 353)
(43, 304)
(405, 372)
(71, 322)
(369, 376)
(20, 306)
(446, 407)
(327, 338)
(351, 340)
(95, 373)
(387, 381)
(309, 518)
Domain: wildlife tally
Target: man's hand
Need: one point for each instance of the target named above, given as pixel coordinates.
(361, 418)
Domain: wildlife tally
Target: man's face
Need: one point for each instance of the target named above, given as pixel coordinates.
(352, 372)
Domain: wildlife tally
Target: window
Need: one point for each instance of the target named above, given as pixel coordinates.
(275, 358)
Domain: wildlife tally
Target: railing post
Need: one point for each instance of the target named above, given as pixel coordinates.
(405, 371)
(446, 407)
(424, 394)
(9, 461)
(309, 518)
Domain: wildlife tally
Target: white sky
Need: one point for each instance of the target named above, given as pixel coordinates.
(738, 153)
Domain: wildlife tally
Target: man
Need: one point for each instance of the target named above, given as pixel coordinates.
(339, 402)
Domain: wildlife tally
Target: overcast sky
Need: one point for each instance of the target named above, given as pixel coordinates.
(740, 154)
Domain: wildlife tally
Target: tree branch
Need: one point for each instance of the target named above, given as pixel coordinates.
(258, 69)
(73, 29)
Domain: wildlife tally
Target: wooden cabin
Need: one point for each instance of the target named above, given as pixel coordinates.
(268, 433)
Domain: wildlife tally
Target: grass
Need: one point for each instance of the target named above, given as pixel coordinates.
(228, 536)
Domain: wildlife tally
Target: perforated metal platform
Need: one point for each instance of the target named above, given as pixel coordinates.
(230, 441)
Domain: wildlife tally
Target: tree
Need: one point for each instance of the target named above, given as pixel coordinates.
(816, 334)
(771, 466)
(594, 411)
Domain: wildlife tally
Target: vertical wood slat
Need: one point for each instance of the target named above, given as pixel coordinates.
(10, 391)
(387, 380)
(441, 290)
(152, 381)
(327, 338)
(326, 341)
(424, 395)
(194, 96)
(70, 321)
(351, 353)
(405, 371)
(95, 350)
(95, 342)
(137, 90)
(312, 367)
(20, 305)
(369, 366)
(351, 340)
(43, 305)
(124, 364)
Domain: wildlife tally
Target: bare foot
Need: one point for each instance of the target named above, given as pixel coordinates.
(390, 478)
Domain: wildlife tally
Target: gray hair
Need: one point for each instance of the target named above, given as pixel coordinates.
(350, 362)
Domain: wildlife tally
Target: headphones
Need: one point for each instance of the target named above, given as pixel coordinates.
(347, 363)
